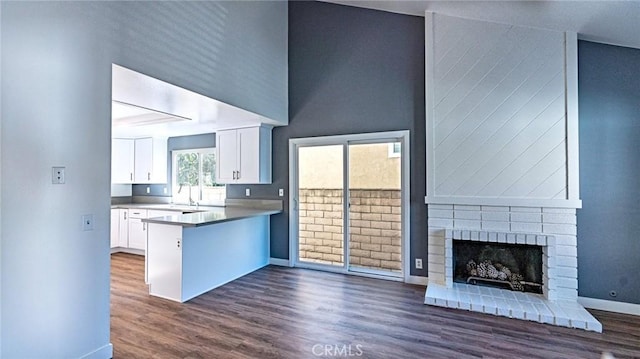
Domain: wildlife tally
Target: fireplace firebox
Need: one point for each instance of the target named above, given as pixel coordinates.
(516, 267)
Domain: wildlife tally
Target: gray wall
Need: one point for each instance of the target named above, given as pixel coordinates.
(174, 143)
(609, 222)
(56, 103)
(351, 70)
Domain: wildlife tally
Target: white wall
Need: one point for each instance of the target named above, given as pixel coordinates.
(56, 74)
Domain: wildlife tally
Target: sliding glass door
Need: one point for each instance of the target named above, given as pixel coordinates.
(359, 230)
(320, 195)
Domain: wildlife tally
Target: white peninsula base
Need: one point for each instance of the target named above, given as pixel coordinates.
(184, 262)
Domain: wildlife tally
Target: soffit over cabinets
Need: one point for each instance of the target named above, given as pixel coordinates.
(143, 106)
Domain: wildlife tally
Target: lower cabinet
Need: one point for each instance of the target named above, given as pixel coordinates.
(127, 229)
(115, 228)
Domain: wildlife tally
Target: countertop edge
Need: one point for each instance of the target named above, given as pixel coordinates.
(170, 220)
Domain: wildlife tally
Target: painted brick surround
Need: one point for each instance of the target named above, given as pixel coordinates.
(552, 228)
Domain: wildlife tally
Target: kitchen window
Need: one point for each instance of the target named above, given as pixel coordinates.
(194, 177)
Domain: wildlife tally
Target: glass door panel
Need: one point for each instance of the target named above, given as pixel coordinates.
(375, 208)
(320, 196)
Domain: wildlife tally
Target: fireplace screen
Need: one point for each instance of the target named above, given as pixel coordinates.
(511, 266)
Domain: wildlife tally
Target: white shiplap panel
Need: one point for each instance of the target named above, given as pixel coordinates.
(498, 115)
(537, 176)
(473, 47)
(500, 142)
(476, 122)
(546, 188)
(487, 72)
(447, 32)
(538, 151)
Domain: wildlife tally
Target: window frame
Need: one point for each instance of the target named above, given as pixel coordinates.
(199, 191)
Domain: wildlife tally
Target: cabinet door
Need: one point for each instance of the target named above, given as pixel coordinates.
(143, 160)
(248, 155)
(122, 160)
(137, 234)
(159, 166)
(115, 228)
(123, 228)
(226, 160)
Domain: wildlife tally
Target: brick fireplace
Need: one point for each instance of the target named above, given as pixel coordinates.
(502, 162)
(554, 229)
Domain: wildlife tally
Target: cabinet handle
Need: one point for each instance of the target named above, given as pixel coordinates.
(131, 175)
(149, 176)
(234, 174)
(144, 226)
(238, 177)
(125, 215)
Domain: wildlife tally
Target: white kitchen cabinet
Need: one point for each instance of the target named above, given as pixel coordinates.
(137, 229)
(140, 160)
(123, 238)
(119, 228)
(150, 160)
(122, 160)
(244, 155)
(115, 228)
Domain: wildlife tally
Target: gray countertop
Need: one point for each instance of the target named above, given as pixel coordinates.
(206, 215)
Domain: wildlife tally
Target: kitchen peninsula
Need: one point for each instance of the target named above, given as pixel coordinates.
(189, 254)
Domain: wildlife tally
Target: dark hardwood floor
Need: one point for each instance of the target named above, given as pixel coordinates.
(280, 312)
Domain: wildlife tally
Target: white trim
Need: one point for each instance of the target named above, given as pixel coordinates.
(293, 206)
(405, 172)
(343, 270)
(105, 352)
(343, 139)
(514, 202)
(417, 280)
(279, 262)
(571, 101)
(610, 305)
(429, 71)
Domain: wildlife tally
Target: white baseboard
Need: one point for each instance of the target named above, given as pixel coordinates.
(105, 352)
(610, 305)
(414, 279)
(279, 262)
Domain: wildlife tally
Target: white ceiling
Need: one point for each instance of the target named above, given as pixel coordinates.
(611, 22)
(144, 106)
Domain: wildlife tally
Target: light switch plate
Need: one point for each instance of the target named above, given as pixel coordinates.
(281, 192)
(87, 222)
(58, 175)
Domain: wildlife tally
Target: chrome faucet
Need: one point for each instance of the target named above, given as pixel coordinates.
(191, 201)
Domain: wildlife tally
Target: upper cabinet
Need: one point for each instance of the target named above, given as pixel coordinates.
(244, 155)
(140, 160)
(122, 162)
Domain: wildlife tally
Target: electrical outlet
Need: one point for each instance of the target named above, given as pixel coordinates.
(165, 190)
(418, 263)
(87, 222)
(281, 192)
(247, 192)
(148, 189)
(57, 175)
